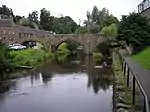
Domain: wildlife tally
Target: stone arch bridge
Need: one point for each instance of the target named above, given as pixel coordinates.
(51, 42)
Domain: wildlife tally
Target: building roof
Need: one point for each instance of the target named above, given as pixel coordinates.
(22, 29)
(6, 23)
(27, 30)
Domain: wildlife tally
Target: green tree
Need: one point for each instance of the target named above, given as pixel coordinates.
(102, 16)
(46, 19)
(64, 25)
(18, 18)
(110, 30)
(109, 20)
(26, 22)
(72, 46)
(98, 19)
(91, 22)
(134, 29)
(81, 30)
(95, 14)
(33, 17)
(6, 12)
(4, 56)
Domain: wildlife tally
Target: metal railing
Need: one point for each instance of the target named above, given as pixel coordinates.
(127, 70)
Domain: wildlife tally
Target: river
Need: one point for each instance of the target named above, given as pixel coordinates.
(60, 86)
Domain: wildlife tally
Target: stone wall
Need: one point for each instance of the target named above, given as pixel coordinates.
(89, 42)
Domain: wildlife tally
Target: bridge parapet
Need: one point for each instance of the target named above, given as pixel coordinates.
(89, 41)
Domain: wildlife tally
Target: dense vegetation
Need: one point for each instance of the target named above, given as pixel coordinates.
(4, 57)
(62, 49)
(29, 57)
(70, 48)
(110, 30)
(96, 20)
(134, 29)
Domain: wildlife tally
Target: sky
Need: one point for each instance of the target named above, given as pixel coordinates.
(74, 8)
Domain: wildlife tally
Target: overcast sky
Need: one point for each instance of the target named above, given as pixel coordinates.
(75, 8)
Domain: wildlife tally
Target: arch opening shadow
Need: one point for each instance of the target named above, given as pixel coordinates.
(72, 45)
(34, 44)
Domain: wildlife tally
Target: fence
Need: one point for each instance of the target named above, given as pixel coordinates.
(128, 72)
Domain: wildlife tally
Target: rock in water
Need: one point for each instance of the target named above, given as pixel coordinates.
(122, 110)
(120, 105)
(98, 67)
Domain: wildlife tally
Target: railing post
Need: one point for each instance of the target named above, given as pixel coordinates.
(128, 74)
(144, 110)
(125, 68)
(133, 91)
(122, 63)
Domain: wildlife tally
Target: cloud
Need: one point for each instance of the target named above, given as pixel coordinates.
(74, 8)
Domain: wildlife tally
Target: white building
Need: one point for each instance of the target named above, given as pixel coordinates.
(143, 6)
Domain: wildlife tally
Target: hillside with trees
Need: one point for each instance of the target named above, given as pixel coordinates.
(96, 20)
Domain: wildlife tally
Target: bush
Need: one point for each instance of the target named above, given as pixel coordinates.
(97, 56)
(62, 49)
(4, 56)
(110, 31)
(134, 29)
(29, 57)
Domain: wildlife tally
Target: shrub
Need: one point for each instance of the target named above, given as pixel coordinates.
(29, 57)
(110, 31)
(134, 29)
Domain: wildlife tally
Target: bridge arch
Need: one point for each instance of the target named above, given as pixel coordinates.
(43, 41)
(72, 40)
(51, 42)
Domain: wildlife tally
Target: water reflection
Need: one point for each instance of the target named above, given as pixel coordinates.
(70, 80)
(101, 79)
(97, 78)
(7, 86)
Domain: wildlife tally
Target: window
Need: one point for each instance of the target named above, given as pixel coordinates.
(13, 32)
(22, 35)
(9, 33)
(4, 32)
(19, 34)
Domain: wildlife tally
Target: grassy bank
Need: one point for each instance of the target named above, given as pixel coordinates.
(29, 57)
(143, 58)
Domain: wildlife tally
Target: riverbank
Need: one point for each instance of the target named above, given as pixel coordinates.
(122, 98)
(30, 57)
(123, 95)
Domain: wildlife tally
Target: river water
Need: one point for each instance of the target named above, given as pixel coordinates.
(61, 86)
